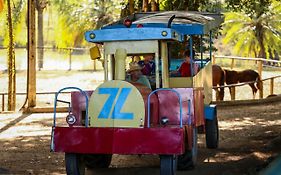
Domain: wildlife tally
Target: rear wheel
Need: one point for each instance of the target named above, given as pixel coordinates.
(74, 164)
(212, 133)
(168, 164)
(188, 160)
(97, 160)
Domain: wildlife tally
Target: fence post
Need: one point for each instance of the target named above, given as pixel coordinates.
(232, 63)
(232, 93)
(3, 102)
(261, 90)
(271, 86)
(260, 68)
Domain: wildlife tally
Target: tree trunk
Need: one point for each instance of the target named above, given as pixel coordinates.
(154, 6)
(40, 6)
(40, 38)
(259, 35)
(31, 54)
(132, 6)
(145, 6)
(11, 63)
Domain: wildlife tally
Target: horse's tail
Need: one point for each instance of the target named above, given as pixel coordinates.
(259, 83)
(222, 80)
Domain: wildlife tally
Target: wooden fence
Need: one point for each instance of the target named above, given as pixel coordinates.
(260, 64)
(261, 91)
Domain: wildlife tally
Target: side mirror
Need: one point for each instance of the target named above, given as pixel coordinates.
(95, 53)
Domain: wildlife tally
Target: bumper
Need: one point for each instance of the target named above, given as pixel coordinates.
(118, 140)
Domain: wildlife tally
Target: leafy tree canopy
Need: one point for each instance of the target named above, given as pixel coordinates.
(255, 34)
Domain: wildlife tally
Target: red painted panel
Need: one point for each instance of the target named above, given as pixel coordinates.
(78, 102)
(169, 105)
(119, 140)
(154, 104)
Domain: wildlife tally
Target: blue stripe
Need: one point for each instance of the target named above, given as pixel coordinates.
(109, 102)
(117, 114)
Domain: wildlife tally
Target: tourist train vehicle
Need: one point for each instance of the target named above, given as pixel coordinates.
(125, 117)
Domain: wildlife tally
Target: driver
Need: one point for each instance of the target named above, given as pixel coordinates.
(135, 75)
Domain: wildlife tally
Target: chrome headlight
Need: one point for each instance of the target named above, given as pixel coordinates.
(71, 119)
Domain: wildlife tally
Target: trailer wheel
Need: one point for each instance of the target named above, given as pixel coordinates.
(74, 164)
(97, 160)
(188, 160)
(168, 164)
(212, 133)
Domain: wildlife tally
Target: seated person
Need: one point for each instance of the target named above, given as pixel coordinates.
(148, 66)
(185, 69)
(135, 75)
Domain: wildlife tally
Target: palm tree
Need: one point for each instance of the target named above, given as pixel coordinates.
(254, 35)
(40, 6)
(11, 62)
(75, 17)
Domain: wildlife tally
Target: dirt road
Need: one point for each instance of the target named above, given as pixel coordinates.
(249, 135)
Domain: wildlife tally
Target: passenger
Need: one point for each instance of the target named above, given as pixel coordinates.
(185, 70)
(136, 75)
(148, 66)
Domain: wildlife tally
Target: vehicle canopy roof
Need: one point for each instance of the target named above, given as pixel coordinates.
(175, 23)
(185, 22)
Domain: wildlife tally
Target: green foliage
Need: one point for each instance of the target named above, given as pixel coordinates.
(75, 17)
(191, 5)
(253, 36)
(18, 21)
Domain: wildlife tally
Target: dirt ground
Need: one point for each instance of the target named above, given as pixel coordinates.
(249, 137)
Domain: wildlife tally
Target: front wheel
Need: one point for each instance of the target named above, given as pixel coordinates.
(168, 164)
(212, 133)
(74, 164)
(97, 160)
(188, 160)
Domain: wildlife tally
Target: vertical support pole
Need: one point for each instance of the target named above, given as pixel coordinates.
(233, 93)
(201, 50)
(260, 73)
(95, 65)
(157, 78)
(210, 56)
(165, 67)
(271, 86)
(191, 55)
(261, 90)
(260, 68)
(3, 102)
(31, 55)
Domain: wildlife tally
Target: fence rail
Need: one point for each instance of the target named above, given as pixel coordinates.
(233, 86)
(24, 93)
(68, 50)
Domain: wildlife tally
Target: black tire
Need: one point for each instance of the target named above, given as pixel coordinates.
(187, 161)
(212, 133)
(74, 164)
(97, 160)
(168, 164)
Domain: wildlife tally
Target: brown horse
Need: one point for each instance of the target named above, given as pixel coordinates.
(218, 80)
(248, 75)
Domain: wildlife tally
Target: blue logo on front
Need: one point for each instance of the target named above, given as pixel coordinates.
(108, 105)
